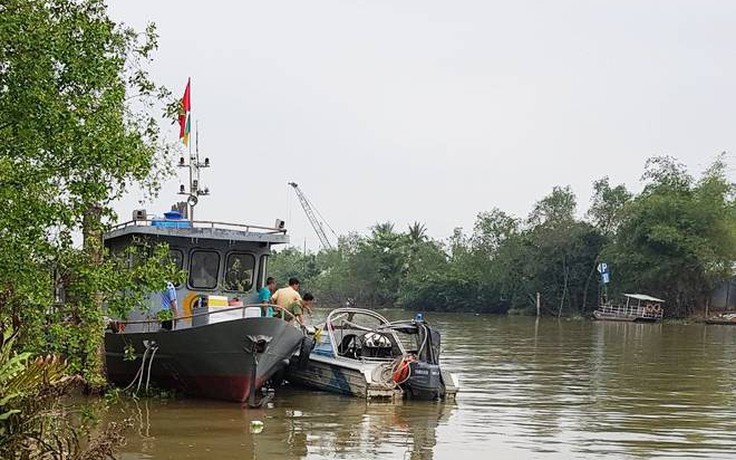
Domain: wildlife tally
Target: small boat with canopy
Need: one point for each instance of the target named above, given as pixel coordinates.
(637, 308)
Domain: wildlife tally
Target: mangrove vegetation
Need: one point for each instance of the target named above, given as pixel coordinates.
(79, 119)
(675, 239)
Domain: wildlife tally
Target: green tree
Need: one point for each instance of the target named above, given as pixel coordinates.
(551, 255)
(78, 123)
(492, 229)
(383, 258)
(417, 232)
(677, 238)
(607, 205)
(293, 263)
(426, 282)
(556, 208)
(605, 213)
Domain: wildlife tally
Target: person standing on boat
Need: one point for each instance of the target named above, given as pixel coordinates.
(307, 302)
(288, 298)
(264, 295)
(168, 306)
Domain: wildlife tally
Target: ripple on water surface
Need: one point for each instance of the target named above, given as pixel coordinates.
(530, 389)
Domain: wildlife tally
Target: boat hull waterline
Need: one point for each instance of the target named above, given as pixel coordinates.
(328, 374)
(630, 319)
(211, 361)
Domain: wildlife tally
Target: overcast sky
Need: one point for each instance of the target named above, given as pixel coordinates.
(436, 110)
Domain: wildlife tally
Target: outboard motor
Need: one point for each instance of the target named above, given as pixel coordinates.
(425, 381)
(425, 378)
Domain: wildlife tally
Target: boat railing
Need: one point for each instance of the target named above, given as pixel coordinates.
(630, 311)
(199, 224)
(338, 320)
(360, 327)
(153, 324)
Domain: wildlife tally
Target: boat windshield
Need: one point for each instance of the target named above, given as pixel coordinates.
(362, 334)
(367, 321)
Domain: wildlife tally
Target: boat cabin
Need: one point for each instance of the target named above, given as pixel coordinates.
(225, 263)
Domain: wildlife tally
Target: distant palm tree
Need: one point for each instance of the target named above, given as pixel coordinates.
(417, 232)
(385, 228)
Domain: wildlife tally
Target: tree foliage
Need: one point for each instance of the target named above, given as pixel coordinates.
(79, 126)
(35, 422)
(674, 240)
(678, 237)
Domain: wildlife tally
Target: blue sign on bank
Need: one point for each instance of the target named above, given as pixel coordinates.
(603, 270)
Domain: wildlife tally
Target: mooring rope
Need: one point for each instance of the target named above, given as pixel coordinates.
(153, 348)
(385, 372)
(150, 365)
(139, 373)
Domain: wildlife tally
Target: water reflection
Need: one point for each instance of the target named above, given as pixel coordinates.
(530, 389)
(324, 426)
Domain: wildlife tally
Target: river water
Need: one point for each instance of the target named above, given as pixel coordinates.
(530, 388)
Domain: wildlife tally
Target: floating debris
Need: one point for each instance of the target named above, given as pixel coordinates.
(256, 426)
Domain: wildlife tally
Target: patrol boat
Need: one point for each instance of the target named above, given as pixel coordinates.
(220, 346)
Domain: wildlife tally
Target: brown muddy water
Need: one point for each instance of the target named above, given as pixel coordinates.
(532, 389)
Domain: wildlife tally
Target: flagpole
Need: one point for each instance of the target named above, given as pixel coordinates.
(196, 154)
(192, 189)
(195, 187)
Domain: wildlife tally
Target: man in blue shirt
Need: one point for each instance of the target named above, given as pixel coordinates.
(168, 304)
(265, 293)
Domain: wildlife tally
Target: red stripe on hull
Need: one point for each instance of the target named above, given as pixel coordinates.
(224, 387)
(231, 388)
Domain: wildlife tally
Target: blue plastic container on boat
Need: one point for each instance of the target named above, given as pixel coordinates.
(172, 219)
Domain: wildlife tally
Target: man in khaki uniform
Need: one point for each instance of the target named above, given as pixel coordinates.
(288, 299)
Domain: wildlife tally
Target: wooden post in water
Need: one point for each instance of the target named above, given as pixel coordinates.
(538, 305)
(707, 305)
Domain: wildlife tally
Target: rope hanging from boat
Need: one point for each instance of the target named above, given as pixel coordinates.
(138, 379)
(150, 365)
(138, 374)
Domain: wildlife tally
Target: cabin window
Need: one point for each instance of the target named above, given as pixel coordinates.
(239, 271)
(203, 267)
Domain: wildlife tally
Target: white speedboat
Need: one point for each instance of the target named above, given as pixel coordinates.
(359, 352)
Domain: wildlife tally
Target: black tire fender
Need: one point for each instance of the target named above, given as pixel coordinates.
(304, 350)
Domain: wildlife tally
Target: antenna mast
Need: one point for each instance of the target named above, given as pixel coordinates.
(309, 211)
(195, 187)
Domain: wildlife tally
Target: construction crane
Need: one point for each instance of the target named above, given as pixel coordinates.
(309, 210)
